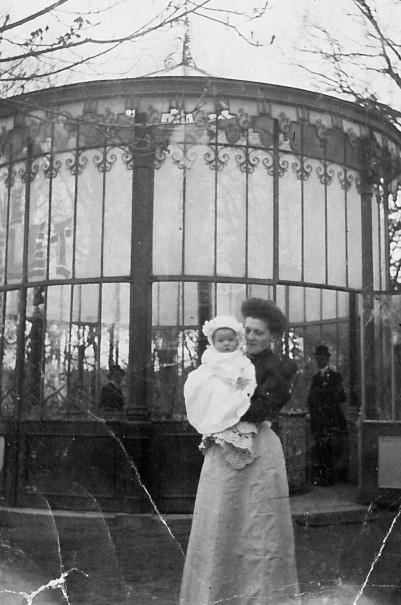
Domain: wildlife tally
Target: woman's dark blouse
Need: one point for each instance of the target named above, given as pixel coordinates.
(274, 376)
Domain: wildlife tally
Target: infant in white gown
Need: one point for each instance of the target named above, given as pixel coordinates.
(217, 394)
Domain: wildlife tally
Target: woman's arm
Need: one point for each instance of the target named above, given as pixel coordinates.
(266, 407)
(273, 393)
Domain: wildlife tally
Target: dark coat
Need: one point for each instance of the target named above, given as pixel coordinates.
(324, 402)
(274, 376)
(111, 398)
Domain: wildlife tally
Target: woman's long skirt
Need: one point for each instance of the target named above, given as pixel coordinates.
(241, 547)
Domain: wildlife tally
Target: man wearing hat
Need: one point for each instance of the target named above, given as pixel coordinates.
(327, 420)
(111, 395)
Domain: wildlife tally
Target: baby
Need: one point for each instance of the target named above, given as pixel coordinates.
(218, 393)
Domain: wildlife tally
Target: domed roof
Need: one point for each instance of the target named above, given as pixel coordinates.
(182, 69)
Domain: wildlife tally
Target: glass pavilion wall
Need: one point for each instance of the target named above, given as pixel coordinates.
(126, 221)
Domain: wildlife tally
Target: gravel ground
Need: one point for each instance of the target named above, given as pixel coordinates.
(129, 561)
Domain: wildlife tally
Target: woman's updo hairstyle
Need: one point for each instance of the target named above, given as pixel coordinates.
(267, 311)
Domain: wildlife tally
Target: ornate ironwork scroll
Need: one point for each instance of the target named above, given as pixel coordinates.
(77, 163)
(302, 169)
(346, 180)
(184, 156)
(247, 160)
(105, 161)
(283, 165)
(50, 167)
(216, 161)
(26, 174)
(9, 177)
(268, 163)
(325, 173)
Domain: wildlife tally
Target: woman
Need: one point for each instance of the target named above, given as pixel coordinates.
(241, 547)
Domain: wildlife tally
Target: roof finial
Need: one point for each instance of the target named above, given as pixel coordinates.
(182, 44)
(186, 42)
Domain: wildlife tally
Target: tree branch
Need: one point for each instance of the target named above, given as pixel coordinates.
(7, 26)
(141, 32)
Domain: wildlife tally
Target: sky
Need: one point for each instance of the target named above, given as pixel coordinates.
(216, 49)
(282, 32)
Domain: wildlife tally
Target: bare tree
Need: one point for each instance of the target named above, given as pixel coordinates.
(42, 45)
(359, 57)
(358, 54)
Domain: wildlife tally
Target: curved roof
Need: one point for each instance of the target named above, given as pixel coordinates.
(181, 70)
(186, 85)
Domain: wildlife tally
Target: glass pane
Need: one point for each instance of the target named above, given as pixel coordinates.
(89, 219)
(117, 217)
(62, 220)
(16, 227)
(260, 291)
(168, 216)
(301, 382)
(86, 303)
(382, 316)
(379, 242)
(167, 339)
(167, 384)
(281, 297)
(336, 231)
(329, 304)
(260, 217)
(313, 305)
(84, 348)
(229, 298)
(354, 240)
(312, 337)
(383, 248)
(166, 303)
(231, 216)
(380, 374)
(57, 353)
(376, 244)
(290, 221)
(115, 325)
(330, 337)
(192, 342)
(343, 304)
(342, 358)
(200, 213)
(9, 351)
(296, 305)
(314, 226)
(396, 356)
(38, 223)
(191, 304)
(3, 222)
(58, 301)
(34, 355)
(190, 336)
(114, 346)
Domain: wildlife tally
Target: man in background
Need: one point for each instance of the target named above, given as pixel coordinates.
(327, 421)
(111, 395)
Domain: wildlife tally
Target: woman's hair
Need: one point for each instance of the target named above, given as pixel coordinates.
(267, 311)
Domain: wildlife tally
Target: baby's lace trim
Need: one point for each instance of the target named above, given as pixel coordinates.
(236, 441)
